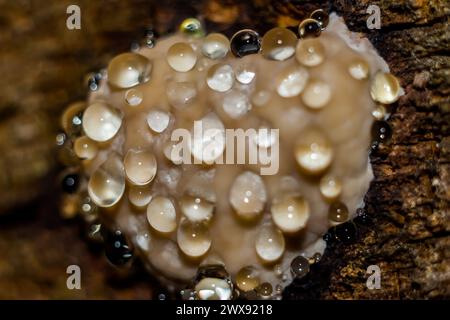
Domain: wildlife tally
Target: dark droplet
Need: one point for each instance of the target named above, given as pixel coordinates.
(300, 267)
(245, 42)
(346, 232)
(309, 28)
(117, 249)
(381, 132)
(320, 16)
(70, 183)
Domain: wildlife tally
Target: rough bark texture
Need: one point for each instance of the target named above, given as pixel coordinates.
(43, 69)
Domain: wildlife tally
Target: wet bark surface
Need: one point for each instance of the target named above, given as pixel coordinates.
(405, 229)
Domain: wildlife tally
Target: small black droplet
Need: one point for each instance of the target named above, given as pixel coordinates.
(117, 249)
(320, 16)
(362, 217)
(309, 28)
(70, 183)
(245, 42)
(346, 232)
(299, 267)
(381, 132)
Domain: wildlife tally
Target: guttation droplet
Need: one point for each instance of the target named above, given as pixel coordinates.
(117, 249)
(181, 57)
(245, 42)
(313, 152)
(101, 122)
(71, 119)
(330, 187)
(192, 27)
(161, 214)
(139, 196)
(290, 213)
(107, 184)
(220, 77)
(309, 28)
(265, 289)
(193, 238)
(248, 195)
(247, 279)
(299, 267)
(359, 69)
(215, 46)
(317, 94)
(338, 212)
(213, 289)
(278, 44)
(385, 88)
(320, 16)
(196, 209)
(140, 166)
(292, 81)
(181, 94)
(245, 72)
(310, 52)
(128, 70)
(158, 120)
(133, 97)
(269, 243)
(236, 104)
(85, 148)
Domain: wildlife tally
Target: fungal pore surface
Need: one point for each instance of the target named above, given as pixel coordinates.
(213, 224)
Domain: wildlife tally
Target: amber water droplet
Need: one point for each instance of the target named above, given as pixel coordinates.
(247, 279)
(379, 113)
(158, 120)
(278, 44)
(196, 209)
(338, 212)
(290, 213)
(71, 119)
(292, 81)
(107, 184)
(265, 289)
(215, 46)
(220, 77)
(309, 28)
(385, 88)
(248, 195)
(316, 94)
(313, 152)
(140, 166)
(213, 289)
(193, 238)
(330, 187)
(310, 52)
(128, 70)
(236, 104)
(245, 42)
(134, 97)
(139, 196)
(161, 214)
(192, 27)
(320, 16)
(359, 69)
(269, 243)
(101, 122)
(181, 57)
(85, 148)
(300, 267)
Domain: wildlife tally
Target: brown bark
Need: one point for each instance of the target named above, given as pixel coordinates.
(408, 202)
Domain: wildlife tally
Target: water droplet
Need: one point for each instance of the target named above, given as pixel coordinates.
(133, 97)
(139, 196)
(193, 238)
(181, 57)
(345, 232)
(292, 81)
(71, 119)
(381, 131)
(260, 98)
(359, 69)
(181, 94)
(158, 120)
(338, 212)
(107, 184)
(290, 213)
(247, 279)
(128, 70)
(265, 289)
(236, 104)
(245, 72)
(320, 16)
(245, 42)
(87, 208)
(385, 88)
(85, 148)
(379, 113)
(117, 249)
(309, 28)
(269, 243)
(278, 44)
(192, 27)
(196, 209)
(299, 267)
(101, 122)
(215, 46)
(317, 94)
(210, 143)
(220, 77)
(213, 289)
(330, 187)
(248, 195)
(70, 183)
(310, 52)
(140, 166)
(313, 152)
(161, 214)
